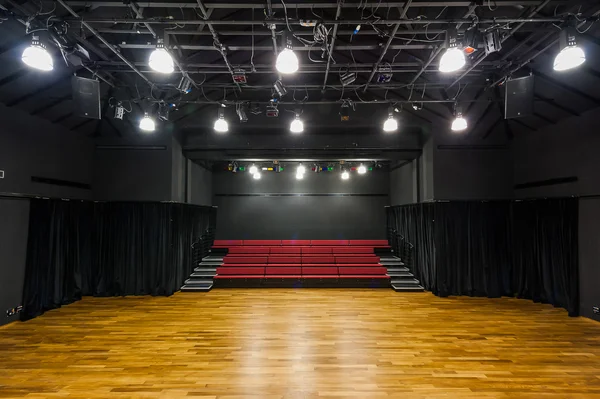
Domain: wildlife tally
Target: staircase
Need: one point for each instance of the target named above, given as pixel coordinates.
(401, 279)
(201, 280)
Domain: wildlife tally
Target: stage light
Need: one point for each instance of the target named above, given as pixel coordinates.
(299, 176)
(36, 56)
(453, 58)
(459, 123)
(300, 169)
(221, 125)
(287, 61)
(362, 169)
(390, 124)
(253, 169)
(147, 124)
(160, 59)
(297, 126)
(345, 175)
(280, 88)
(256, 176)
(571, 55)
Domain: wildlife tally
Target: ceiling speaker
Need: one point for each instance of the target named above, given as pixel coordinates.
(86, 97)
(518, 98)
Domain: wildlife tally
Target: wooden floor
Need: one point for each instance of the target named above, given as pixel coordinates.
(301, 344)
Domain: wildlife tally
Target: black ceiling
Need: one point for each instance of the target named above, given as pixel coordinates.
(413, 54)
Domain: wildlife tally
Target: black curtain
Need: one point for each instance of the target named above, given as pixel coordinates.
(526, 249)
(78, 248)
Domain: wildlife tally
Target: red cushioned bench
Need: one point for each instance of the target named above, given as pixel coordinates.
(245, 259)
(357, 259)
(286, 250)
(249, 250)
(265, 243)
(296, 242)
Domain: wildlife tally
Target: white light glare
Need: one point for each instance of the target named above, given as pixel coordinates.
(569, 57)
(221, 125)
(345, 175)
(390, 124)
(36, 56)
(296, 126)
(253, 169)
(161, 61)
(300, 169)
(299, 176)
(287, 61)
(256, 176)
(147, 123)
(362, 169)
(452, 60)
(459, 123)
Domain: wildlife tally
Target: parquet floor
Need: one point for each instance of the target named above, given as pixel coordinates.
(301, 344)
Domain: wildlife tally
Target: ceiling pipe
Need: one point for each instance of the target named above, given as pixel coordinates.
(139, 14)
(387, 45)
(505, 38)
(295, 48)
(338, 13)
(326, 102)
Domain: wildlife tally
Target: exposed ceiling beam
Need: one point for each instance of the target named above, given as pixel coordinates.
(14, 76)
(566, 87)
(79, 125)
(357, 47)
(338, 14)
(553, 102)
(51, 104)
(37, 91)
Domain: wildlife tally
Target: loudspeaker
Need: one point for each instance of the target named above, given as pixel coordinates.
(86, 97)
(518, 98)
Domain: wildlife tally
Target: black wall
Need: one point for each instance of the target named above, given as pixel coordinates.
(271, 208)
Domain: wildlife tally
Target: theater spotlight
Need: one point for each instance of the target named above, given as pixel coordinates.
(287, 61)
(147, 124)
(221, 125)
(362, 169)
(459, 123)
(454, 57)
(160, 59)
(390, 124)
(571, 55)
(253, 169)
(256, 176)
(345, 175)
(36, 56)
(299, 176)
(297, 126)
(300, 169)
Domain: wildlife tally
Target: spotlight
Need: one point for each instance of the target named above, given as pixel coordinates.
(160, 59)
(362, 169)
(185, 85)
(221, 125)
(348, 78)
(391, 124)
(459, 123)
(345, 175)
(147, 123)
(300, 169)
(239, 77)
(297, 126)
(280, 88)
(241, 112)
(571, 55)
(287, 61)
(163, 111)
(119, 111)
(253, 169)
(36, 56)
(256, 176)
(454, 58)
(272, 111)
(385, 74)
(299, 176)
(345, 113)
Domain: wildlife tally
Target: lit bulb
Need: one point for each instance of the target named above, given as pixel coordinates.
(253, 169)
(161, 61)
(362, 169)
(569, 57)
(459, 123)
(147, 124)
(345, 175)
(452, 60)
(287, 61)
(390, 125)
(36, 56)
(256, 176)
(299, 176)
(221, 125)
(301, 169)
(296, 126)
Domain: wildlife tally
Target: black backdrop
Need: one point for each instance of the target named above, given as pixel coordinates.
(80, 248)
(526, 249)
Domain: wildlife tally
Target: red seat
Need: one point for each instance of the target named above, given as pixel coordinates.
(283, 270)
(320, 276)
(295, 242)
(249, 250)
(241, 270)
(357, 259)
(286, 250)
(239, 276)
(330, 243)
(318, 259)
(297, 276)
(245, 259)
(358, 265)
(225, 243)
(365, 276)
(353, 250)
(369, 243)
(285, 259)
(362, 270)
(316, 250)
(319, 270)
(283, 264)
(263, 242)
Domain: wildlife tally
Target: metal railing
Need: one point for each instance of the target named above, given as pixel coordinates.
(402, 248)
(201, 247)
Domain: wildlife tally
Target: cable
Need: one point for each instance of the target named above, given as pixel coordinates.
(287, 22)
(252, 56)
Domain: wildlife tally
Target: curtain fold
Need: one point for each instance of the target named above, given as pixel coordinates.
(527, 249)
(78, 248)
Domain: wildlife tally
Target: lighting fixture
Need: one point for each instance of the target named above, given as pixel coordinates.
(390, 124)
(299, 176)
(297, 126)
(280, 88)
(160, 59)
(221, 125)
(571, 55)
(185, 84)
(348, 78)
(454, 58)
(345, 113)
(345, 175)
(362, 169)
(163, 111)
(253, 169)
(147, 124)
(287, 61)
(36, 56)
(459, 123)
(300, 169)
(256, 176)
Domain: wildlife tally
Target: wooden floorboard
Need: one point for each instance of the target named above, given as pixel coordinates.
(284, 343)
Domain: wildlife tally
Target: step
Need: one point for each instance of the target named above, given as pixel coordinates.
(199, 283)
(400, 274)
(213, 258)
(206, 269)
(397, 270)
(210, 264)
(402, 288)
(203, 274)
(195, 288)
(407, 282)
(391, 262)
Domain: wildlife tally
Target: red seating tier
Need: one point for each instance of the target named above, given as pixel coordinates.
(245, 259)
(356, 259)
(362, 270)
(295, 242)
(286, 250)
(328, 270)
(241, 271)
(249, 250)
(263, 242)
(369, 243)
(285, 259)
(316, 250)
(328, 243)
(283, 270)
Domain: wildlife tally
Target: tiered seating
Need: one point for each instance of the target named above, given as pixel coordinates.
(301, 259)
